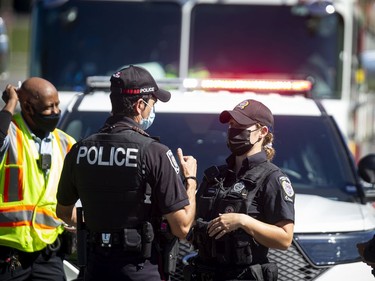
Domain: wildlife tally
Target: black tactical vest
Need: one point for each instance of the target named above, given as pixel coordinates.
(236, 247)
(111, 180)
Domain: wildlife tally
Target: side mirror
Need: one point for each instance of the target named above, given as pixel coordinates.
(366, 168)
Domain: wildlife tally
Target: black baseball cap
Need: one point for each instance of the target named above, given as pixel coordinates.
(248, 113)
(136, 80)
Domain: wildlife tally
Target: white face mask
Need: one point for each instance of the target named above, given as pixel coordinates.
(146, 123)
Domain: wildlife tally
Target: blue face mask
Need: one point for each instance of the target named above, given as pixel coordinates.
(146, 123)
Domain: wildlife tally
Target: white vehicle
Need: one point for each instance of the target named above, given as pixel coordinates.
(332, 215)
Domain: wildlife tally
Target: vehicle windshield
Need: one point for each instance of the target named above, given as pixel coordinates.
(79, 38)
(307, 150)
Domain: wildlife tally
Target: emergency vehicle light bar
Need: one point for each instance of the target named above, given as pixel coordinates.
(235, 85)
(249, 85)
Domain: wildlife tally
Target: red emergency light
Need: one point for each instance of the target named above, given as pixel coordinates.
(255, 85)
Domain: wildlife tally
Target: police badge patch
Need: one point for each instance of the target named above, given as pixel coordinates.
(237, 188)
(287, 187)
(173, 161)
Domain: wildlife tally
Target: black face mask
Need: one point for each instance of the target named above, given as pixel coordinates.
(239, 141)
(46, 123)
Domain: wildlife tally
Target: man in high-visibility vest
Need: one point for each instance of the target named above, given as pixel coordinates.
(32, 152)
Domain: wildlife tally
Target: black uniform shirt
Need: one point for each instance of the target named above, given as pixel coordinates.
(275, 199)
(271, 203)
(169, 193)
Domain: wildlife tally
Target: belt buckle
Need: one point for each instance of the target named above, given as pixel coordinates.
(106, 240)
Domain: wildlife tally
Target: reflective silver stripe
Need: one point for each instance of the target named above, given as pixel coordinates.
(8, 217)
(12, 191)
(64, 146)
(13, 186)
(62, 141)
(26, 216)
(47, 220)
(12, 151)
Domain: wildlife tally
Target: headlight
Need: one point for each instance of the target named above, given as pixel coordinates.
(332, 248)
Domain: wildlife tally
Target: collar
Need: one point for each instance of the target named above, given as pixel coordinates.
(123, 121)
(249, 162)
(112, 120)
(48, 138)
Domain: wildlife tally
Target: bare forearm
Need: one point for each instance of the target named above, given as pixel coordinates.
(191, 190)
(271, 236)
(182, 220)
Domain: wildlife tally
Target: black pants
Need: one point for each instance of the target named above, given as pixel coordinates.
(114, 265)
(37, 266)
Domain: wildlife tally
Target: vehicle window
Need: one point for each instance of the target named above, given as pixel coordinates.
(94, 38)
(313, 155)
(245, 45)
(307, 149)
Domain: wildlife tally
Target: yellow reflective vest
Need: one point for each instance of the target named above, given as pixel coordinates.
(28, 220)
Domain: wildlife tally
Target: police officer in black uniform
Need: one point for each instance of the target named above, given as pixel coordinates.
(244, 207)
(134, 200)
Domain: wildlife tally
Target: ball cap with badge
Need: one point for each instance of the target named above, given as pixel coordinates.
(136, 80)
(248, 113)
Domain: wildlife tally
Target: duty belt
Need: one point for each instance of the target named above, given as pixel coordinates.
(107, 239)
(136, 241)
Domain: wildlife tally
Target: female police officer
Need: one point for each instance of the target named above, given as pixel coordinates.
(245, 206)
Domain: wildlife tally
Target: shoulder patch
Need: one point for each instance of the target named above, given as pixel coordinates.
(287, 187)
(173, 161)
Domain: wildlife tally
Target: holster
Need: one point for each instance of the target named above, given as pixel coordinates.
(168, 246)
(68, 242)
(82, 234)
(201, 240)
(170, 255)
